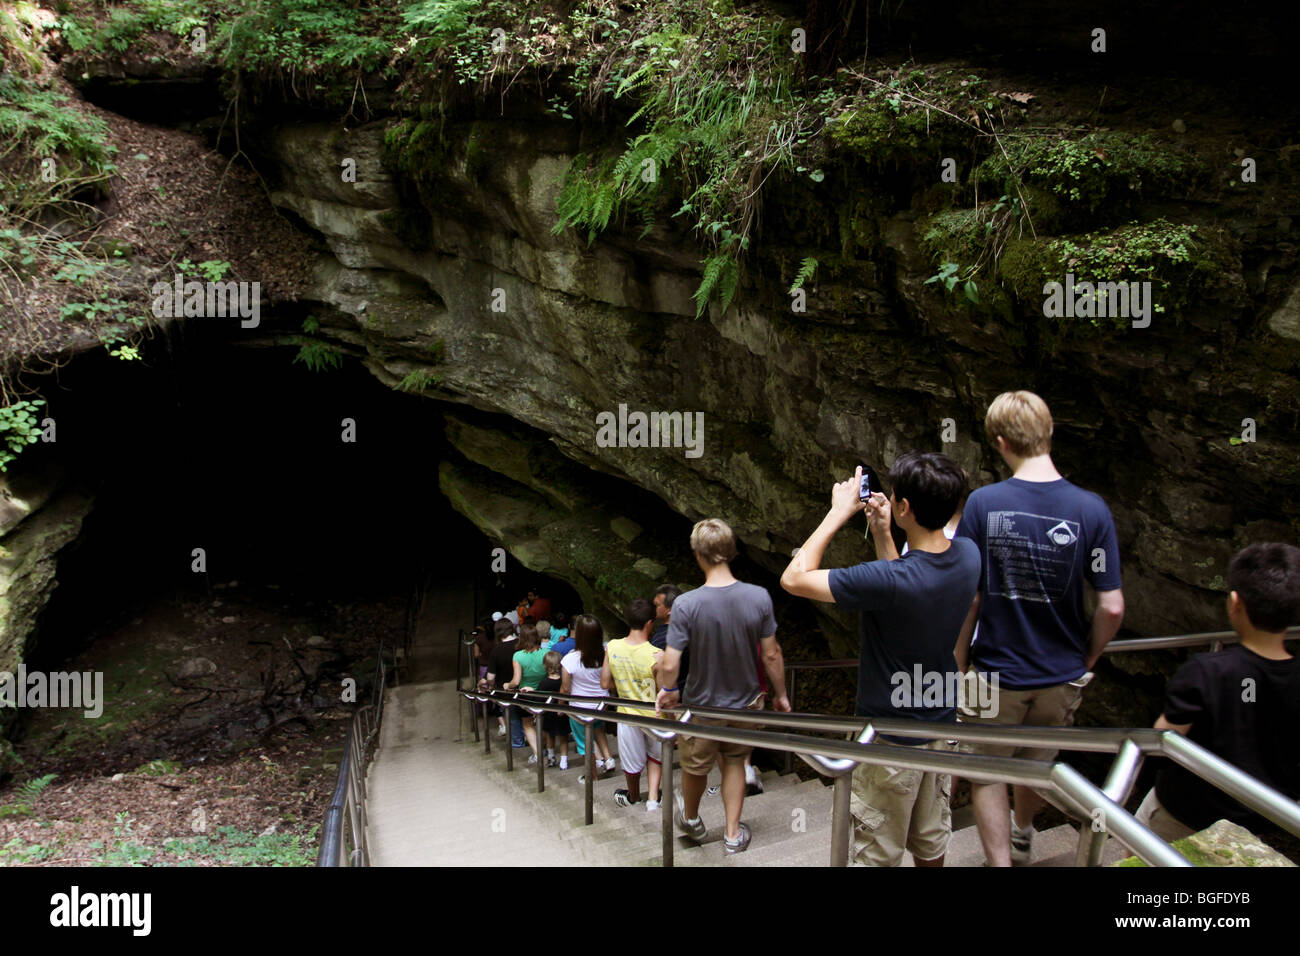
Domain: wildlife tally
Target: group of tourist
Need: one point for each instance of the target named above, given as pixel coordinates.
(985, 602)
(1001, 606)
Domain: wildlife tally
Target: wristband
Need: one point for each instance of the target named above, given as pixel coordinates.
(669, 690)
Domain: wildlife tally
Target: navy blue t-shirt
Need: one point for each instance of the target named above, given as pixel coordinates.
(912, 611)
(1039, 541)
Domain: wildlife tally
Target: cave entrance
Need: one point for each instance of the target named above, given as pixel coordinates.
(243, 456)
(222, 472)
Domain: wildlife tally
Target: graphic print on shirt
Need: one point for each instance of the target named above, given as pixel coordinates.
(631, 670)
(1030, 557)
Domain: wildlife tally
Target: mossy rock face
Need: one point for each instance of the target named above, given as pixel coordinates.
(1222, 844)
(1094, 179)
(909, 120)
(1183, 263)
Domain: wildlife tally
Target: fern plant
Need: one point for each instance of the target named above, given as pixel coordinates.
(419, 380)
(806, 271)
(27, 796)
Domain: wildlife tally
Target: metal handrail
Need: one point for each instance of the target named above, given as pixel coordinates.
(1114, 647)
(1254, 794)
(343, 840)
(1084, 796)
(343, 836)
(837, 759)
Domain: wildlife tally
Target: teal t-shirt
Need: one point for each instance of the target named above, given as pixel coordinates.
(531, 669)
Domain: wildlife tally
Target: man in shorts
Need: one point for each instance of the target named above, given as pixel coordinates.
(630, 664)
(912, 609)
(1041, 539)
(720, 623)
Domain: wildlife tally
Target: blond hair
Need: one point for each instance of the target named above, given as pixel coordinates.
(551, 661)
(1022, 418)
(713, 541)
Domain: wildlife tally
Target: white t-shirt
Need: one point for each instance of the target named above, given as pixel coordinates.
(586, 680)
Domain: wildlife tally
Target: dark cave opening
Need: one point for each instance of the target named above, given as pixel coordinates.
(208, 443)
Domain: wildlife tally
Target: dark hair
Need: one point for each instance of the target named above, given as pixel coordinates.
(640, 612)
(1267, 579)
(932, 484)
(670, 593)
(589, 640)
(529, 639)
(504, 628)
(484, 641)
(559, 619)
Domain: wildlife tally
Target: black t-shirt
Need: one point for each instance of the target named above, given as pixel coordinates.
(502, 661)
(659, 636)
(1246, 709)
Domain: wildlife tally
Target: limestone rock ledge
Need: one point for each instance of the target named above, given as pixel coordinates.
(451, 266)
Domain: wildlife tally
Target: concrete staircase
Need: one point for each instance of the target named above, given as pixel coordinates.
(436, 799)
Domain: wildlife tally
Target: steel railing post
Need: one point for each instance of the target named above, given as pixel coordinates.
(666, 797)
(473, 704)
(589, 779)
(541, 752)
(790, 676)
(841, 820)
(510, 737)
(487, 724)
(1119, 783)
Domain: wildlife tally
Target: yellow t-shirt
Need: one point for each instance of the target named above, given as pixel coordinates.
(630, 666)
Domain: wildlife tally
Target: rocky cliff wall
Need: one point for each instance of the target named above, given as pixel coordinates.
(456, 274)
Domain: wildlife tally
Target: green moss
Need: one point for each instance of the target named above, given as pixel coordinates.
(1101, 171)
(911, 116)
(954, 235)
(1181, 262)
(476, 156)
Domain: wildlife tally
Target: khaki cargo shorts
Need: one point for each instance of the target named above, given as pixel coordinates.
(698, 755)
(1040, 707)
(896, 809)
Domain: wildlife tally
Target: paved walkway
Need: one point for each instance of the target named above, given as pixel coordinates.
(435, 799)
(432, 804)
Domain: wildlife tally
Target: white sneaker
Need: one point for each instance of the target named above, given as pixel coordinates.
(1022, 842)
(609, 765)
(600, 766)
(564, 763)
(651, 806)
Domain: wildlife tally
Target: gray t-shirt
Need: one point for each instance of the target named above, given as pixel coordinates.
(722, 628)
